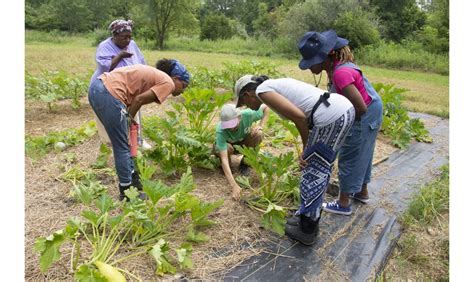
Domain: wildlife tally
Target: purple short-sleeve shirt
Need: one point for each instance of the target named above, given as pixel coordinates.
(107, 50)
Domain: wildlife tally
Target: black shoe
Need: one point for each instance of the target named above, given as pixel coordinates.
(136, 181)
(294, 220)
(305, 233)
(244, 169)
(122, 195)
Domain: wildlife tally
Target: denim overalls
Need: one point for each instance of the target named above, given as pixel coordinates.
(355, 155)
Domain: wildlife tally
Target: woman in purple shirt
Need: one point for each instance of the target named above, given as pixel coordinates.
(117, 51)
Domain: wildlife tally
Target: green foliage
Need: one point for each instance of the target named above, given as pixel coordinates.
(216, 27)
(225, 78)
(200, 107)
(399, 18)
(132, 228)
(48, 247)
(317, 15)
(278, 179)
(86, 187)
(103, 157)
(164, 15)
(37, 147)
(274, 218)
(177, 147)
(358, 27)
(407, 56)
(266, 23)
(51, 87)
(396, 122)
(430, 202)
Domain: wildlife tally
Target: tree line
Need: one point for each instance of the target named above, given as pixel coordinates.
(364, 22)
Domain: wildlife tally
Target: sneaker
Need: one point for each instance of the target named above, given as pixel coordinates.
(334, 207)
(360, 199)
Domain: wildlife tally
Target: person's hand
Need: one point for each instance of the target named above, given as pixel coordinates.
(125, 54)
(302, 162)
(236, 193)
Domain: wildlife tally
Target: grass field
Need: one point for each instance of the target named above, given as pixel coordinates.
(428, 93)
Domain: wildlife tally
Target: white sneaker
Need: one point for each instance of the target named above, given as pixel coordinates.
(145, 145)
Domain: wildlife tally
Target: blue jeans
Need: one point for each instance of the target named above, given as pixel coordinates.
(114, 116)
(355, 156)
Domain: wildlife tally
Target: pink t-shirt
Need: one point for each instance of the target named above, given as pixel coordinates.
(345, 76)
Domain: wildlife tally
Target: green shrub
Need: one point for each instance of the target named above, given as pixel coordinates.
(357, 26)
(216, 27)
(409, 56)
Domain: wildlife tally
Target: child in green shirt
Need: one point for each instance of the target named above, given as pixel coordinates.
(236, 128)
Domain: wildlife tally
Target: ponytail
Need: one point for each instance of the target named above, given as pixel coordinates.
(256, 81)
(260, 79)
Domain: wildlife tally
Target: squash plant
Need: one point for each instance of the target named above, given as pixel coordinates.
(199, 109)
(52, 86)
(278, 183)
(396, 123)
(37, 147)
(118, 231)
(176, 146)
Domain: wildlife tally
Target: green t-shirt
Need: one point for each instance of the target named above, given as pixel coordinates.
(247, 118)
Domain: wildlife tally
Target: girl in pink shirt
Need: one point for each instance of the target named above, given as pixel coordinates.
(326, 51)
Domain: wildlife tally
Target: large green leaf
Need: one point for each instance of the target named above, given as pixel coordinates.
(274, 219)
(184, 256)
(48, 247)
(86, 273)
(160, 253)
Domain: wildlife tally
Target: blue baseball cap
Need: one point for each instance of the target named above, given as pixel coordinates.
(315, 47)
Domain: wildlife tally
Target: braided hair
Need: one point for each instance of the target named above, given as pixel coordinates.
(343, 55)
(256, 81)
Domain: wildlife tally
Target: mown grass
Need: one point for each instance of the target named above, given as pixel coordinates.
(422, 252)
(429, 92)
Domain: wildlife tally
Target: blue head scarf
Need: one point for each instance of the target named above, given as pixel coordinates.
(180, 71)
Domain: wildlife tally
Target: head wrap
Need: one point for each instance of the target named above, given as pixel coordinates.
(178, 69)
(118, 26)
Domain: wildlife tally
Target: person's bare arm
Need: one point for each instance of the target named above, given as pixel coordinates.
(144, 98)
(228, 174)
(284, 107)
(351, 93)
(118, 58)
(266, 114)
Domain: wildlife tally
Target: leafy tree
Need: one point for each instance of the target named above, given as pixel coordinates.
(399, 18)
(229, 8)
(357, 27)
(164, 15)
(216, 27)
(317, 15)
(264, 25)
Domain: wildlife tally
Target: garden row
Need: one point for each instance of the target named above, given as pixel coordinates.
(115, 231)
